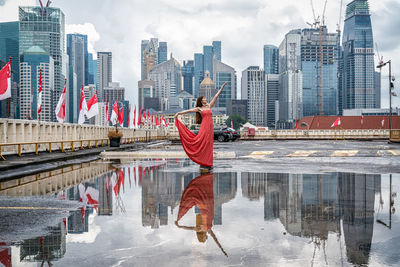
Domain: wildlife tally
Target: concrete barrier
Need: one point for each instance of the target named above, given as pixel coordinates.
(22, 131)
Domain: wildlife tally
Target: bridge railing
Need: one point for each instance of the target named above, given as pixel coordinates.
(26, 136)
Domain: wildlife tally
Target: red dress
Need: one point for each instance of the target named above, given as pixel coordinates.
(199, 147)
(199, 192)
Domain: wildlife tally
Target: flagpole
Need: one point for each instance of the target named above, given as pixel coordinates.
(9, 99)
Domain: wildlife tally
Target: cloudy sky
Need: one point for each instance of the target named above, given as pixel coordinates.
(243, 26)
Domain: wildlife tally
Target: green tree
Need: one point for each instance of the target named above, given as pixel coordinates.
(237, 121)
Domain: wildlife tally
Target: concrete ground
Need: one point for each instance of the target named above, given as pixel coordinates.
(297, 156)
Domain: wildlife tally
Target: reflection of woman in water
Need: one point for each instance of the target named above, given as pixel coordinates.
(199, 147)
(199, 192)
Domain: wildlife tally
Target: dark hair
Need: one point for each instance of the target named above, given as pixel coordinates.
(199, 104)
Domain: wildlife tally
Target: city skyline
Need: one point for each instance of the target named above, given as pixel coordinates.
(254, 18)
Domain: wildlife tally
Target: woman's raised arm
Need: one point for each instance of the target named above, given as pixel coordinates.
(212, 103)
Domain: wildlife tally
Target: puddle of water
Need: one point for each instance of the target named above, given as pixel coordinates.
(151, 213)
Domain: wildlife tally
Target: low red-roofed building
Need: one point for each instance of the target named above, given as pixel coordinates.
(348, 122)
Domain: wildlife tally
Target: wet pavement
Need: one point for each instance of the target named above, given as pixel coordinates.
(250, 212)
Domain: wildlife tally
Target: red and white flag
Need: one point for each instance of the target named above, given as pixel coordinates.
(165, 122)
(121, 116)
(336, 123)
(39, 102)
(231, 123)
(295, 126)
(107, 116)
(93, 107)
(60, 109)
(139, 117)
(134, 117)
(5, 81)
(82, 108)
(383, 122)
(114, 113)
(157, 123)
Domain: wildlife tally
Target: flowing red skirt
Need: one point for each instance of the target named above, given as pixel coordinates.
(199, 192)
(199, 148)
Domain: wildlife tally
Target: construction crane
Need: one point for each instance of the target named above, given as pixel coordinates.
(43, 8)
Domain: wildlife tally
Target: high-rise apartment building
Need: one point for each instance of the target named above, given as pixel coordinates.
(271, 59)
(358, 57)
(253, 90)
(45, 27)
(319, 70)
(290, 81)
(104, 72)
(34, 61)
(9, 47)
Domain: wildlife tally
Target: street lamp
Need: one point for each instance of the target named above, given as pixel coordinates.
(391, 80)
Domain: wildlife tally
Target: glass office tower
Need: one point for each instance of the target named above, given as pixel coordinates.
(271, 59)
(45, 27)
(358, 57)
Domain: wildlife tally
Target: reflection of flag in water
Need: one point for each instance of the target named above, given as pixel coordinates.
(129, 173)
(92, 196)
(134, 173)
(140, 174)
(117, 186)
(65, 225)
(5, 255)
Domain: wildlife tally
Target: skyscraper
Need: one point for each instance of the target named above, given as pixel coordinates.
(272, 91)
(33, 62)
(162, 52)
(146, 89)
(204, 62)
(319, 70)
(271, 59)
(217, 49)
(9, 47)
(45, 27)
(290, 81)
(377, 87)
(224, 73)
(76, 53)
(358, 57)
(253, 90)
(188, 75)
(167, 77)
(208, 59)
(198, 72)
(104, 73)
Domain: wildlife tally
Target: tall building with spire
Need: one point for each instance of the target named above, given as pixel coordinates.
(358, 57)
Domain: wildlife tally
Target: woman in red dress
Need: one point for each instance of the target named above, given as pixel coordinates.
(199, 147)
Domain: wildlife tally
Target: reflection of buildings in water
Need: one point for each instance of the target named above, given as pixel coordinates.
(48, 248)
(312, 206)
(105, 195)
(161, 190)
(225, 186)
(357, 199)
(51, 182)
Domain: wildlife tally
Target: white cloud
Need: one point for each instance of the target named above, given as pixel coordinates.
(243, 27)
